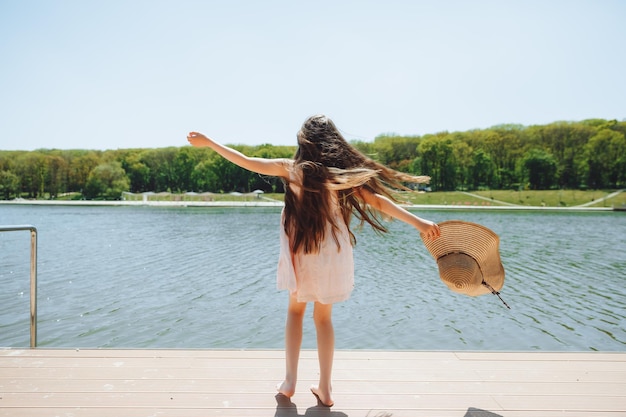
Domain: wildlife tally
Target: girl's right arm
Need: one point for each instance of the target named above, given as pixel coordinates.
(264, 166)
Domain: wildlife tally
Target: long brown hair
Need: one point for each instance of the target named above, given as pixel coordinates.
(327, 163)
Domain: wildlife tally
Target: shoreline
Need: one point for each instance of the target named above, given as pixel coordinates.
(126, 203)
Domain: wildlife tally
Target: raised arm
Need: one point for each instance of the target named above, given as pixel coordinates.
(264, 166)
(388, 207)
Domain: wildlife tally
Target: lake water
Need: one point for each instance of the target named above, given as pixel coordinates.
(146, 277)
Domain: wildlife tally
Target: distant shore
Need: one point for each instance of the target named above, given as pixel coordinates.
(149, 203)
(266, 203)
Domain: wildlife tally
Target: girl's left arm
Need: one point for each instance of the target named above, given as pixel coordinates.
(388, 207)
(264, 166)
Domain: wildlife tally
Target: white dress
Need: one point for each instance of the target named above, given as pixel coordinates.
(327, 276)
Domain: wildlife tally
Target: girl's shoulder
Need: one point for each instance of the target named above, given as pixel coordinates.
(295, 172)
(285, 167)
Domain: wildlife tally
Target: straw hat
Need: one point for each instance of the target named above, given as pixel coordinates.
(468, 258)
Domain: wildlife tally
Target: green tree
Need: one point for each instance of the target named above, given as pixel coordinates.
(605, 156)
(565, 141)
(230, 177)
(137, 171)
(107, 181)
(504, 145)
(82, 163)
(482, 170)
(56, 175)
(31, 168)
(367, 148)
(462, 153)
(397, 152)
(203, 177)
(9, 184)
(8, 159)
(437, 161)
(617, 169)
(161, 165)
(540, 169)
(183, 165)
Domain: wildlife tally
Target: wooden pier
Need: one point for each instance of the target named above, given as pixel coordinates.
(201, 383)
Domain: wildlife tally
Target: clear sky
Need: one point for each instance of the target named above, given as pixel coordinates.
(111, 74)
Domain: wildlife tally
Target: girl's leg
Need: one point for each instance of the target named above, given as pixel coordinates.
(322, 315)
(293, 341)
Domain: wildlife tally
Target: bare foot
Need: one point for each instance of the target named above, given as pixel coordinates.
(286, 389)
(323, 398)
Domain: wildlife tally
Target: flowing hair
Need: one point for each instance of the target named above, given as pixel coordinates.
(327, 164)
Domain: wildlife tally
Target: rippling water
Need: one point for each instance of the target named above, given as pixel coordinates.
(205, 278)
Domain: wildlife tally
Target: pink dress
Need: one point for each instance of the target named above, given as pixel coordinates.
(327, 276)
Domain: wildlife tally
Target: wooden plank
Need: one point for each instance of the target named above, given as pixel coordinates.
(543, 375)
(211, 400)
(542, 356)
(260, 374)
(216, 401)
(390, 355)
(344, 386)
(615, 404)
(310, 412)
(148, 353)
(392, 358)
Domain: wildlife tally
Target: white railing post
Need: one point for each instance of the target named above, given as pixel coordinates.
(33, 277)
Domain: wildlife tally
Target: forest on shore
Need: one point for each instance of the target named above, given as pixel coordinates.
(588, 154)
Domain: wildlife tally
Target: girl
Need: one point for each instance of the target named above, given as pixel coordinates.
(326, 183)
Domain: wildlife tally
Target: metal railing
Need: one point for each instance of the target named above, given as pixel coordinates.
(33, 277)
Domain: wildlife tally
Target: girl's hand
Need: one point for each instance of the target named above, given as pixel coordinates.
(198, 139)
(430, 230)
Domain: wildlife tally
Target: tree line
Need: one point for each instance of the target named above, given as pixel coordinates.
(588, 154)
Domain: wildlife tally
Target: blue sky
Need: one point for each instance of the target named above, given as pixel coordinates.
(114, 74)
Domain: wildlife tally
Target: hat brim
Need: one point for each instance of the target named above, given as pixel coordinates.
(474, 240)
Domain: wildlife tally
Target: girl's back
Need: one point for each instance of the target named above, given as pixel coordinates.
(327, 274)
